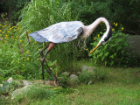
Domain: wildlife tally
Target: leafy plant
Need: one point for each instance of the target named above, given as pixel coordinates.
(86, 76)
(15, 55)
(114, 52)
(4, 89)
(7, 88)
(41, 14)
(35, 92)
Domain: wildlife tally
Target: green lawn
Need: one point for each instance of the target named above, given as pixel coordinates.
(120, 87)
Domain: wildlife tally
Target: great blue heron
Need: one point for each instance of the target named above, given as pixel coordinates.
(68, 31)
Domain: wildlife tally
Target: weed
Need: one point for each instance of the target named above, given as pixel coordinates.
(86, 76)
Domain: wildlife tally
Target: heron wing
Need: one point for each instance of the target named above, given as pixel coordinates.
(59, 33)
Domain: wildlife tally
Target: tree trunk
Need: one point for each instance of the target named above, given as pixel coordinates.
(10, 10)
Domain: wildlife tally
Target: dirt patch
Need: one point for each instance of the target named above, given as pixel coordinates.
(2, 21)
(41, 82)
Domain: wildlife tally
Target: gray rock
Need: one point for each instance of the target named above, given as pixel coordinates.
(21, 91)
(1, 85)
(90, 82)
(88, 69)
(134, 41)
(60, 79)
(74, 79)
(26, 83)
(84, 68)
(10, 80)
(78, 73)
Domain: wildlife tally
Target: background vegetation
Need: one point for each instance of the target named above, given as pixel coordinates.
(21, 60)
(36, 15)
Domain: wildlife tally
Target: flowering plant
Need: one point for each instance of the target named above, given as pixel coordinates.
(114, 51)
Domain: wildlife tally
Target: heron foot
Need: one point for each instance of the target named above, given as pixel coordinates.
(55, 78)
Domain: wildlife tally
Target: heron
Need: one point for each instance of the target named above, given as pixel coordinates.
(64, 32)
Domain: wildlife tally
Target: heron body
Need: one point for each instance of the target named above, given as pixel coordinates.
(59, 33)
(68, 31)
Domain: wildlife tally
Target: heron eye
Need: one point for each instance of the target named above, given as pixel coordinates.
(103, 42)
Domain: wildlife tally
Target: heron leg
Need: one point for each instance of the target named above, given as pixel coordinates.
(41, 52)
(42, 62)
(50, 46)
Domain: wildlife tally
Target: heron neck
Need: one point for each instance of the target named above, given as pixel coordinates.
(90, 28)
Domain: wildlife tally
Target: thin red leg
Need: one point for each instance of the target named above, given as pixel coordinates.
(41, 52)
(50, 46)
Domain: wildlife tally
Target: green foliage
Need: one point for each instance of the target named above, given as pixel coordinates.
(67, 55)
(24, 59)
(15, 54)
(36, 92)
(64, 81)
(16, 6)
(86, 76)
(7, 88)
(114, 52)
(125, 12)
(4, 89)
(40, 14)
(101, 74)
(19, 59)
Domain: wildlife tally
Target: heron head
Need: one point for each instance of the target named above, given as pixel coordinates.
(104, 39)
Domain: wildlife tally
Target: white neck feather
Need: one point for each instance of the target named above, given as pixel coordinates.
(88, 30)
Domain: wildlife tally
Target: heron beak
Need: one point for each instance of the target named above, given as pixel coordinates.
(94, 48)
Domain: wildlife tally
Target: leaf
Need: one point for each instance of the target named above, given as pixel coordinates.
(106, 54)
(118, 48)
(112, 62)
(106, 63)
(112, 56)
(122, 51)
(103, 57)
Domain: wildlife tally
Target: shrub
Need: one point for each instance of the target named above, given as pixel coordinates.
(114, 52)
(15, 54)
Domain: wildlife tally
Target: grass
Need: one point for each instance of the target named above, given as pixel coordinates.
(97, 94)
(120, 87)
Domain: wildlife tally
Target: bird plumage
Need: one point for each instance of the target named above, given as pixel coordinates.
(68, 31)
(59, 33)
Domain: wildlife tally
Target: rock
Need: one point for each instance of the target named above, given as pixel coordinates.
(88, 69)
(26, 83)
(78, 73)
(74, 79)
(21, 91)
(1, 85)
(134, 41)
(66, 74)
(10, 80)
(60, 78)
(90, 82)
(84, 68)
